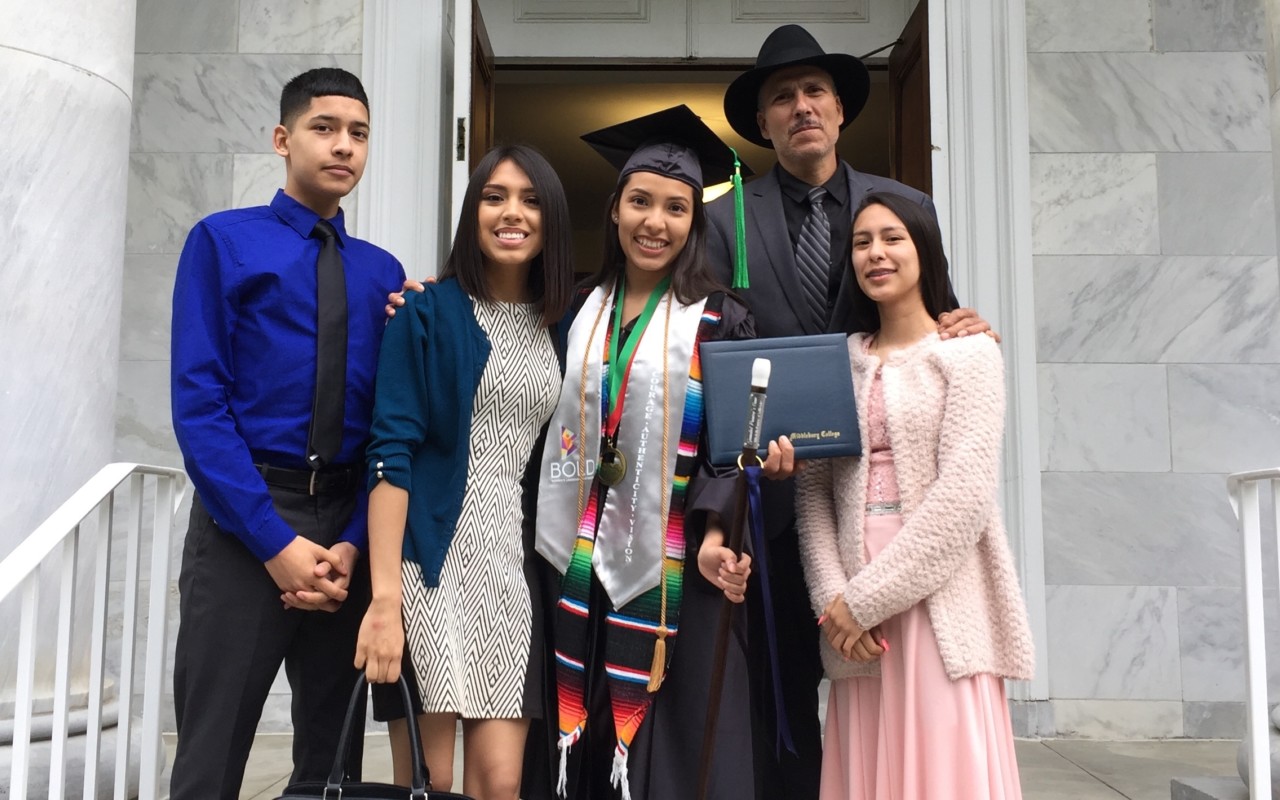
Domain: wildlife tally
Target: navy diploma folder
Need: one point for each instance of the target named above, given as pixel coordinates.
(809, 398)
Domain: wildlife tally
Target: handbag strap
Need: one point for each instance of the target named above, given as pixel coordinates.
(421, 777)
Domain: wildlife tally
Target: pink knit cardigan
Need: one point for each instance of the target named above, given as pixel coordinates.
(945, 408)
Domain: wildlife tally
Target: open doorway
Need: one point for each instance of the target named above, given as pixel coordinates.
(968, 74)
(550, 107)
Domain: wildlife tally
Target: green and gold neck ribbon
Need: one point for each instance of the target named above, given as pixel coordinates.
(620, 363)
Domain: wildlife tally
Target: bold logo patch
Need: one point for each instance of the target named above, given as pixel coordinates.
(568, 442)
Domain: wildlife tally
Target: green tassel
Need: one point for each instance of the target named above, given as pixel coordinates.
(740, 279)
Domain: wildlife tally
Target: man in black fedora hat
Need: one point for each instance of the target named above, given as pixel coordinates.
(799, 218)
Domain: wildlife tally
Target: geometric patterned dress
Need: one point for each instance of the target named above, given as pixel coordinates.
(470, 637)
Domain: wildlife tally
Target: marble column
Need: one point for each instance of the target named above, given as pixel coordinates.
(1272, 47)
(66, 91)
(1272, 44)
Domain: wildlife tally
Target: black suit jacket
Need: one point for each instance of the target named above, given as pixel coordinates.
(775, 297)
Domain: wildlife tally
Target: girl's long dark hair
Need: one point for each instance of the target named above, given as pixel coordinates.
(551, 273)
(691, 276)
(935, 280)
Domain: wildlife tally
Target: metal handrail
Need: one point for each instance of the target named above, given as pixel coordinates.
(1243, 490)
(56, 542)
(28, 555)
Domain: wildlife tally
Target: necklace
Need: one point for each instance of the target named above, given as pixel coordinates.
(657, 670)
(612, 467)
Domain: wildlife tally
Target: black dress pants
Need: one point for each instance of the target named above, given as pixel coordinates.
(233, 635)
(795, 777)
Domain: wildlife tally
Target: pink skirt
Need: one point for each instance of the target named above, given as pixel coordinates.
(913, 732)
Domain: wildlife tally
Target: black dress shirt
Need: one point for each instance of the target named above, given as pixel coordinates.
(795, 207)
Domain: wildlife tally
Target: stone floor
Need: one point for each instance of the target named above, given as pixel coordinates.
(1052, 769)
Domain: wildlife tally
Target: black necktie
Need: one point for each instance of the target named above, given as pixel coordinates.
(813, 257)
(324, 440)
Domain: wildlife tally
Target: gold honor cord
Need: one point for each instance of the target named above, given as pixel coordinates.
(582, 415)
(657, 671)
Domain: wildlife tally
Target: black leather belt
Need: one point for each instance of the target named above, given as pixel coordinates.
(336, 479)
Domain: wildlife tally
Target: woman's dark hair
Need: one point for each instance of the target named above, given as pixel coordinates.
(691, 276)
(935, 281)
(551, 273)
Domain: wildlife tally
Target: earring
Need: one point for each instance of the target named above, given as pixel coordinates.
(615, 219)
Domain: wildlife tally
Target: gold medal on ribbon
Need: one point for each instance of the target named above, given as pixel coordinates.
(613, 466)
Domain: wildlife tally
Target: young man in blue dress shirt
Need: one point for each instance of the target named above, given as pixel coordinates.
(271, 569)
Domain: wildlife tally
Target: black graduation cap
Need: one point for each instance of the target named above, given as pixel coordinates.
(673, 142)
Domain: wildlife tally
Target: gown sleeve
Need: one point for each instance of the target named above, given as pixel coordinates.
(711, 488)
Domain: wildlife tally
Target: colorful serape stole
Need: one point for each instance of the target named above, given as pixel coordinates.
(630, 631)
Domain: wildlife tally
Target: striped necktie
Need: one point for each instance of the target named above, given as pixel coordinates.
(813, 257)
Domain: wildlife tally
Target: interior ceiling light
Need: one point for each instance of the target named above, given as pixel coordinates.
(712, 192)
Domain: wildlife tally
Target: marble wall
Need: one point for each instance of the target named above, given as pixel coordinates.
(206, 91)
(1157, 296)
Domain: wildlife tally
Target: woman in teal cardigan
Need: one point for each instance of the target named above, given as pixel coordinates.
(468, 376)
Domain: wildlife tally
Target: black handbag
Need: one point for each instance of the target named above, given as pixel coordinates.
(337, 788)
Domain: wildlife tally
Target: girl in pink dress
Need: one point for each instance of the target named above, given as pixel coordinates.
(904, 550)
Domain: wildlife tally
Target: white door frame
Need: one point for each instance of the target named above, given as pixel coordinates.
(408, 72)
(981, 179)
(982, 188)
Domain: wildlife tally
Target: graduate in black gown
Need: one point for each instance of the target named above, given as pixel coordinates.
(630, 516)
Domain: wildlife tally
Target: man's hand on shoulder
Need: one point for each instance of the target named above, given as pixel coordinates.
(396, 299)
(963, 322)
